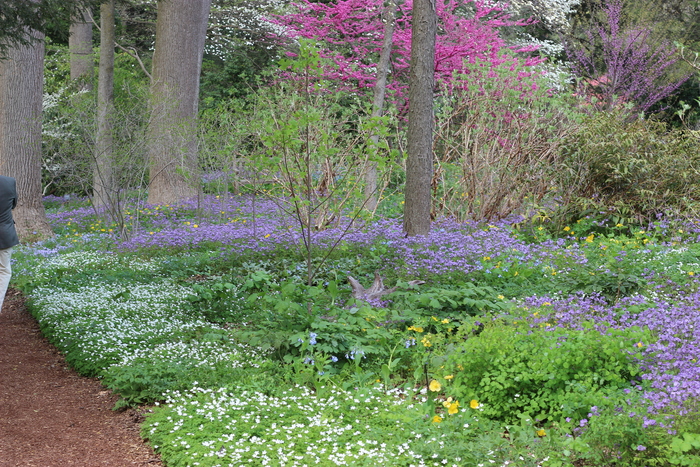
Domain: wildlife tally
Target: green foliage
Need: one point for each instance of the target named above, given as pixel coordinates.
(685, 450)
(212, 359)
(467, 299)
(219, 302)
(545, 374)
(68, 136)
(633, 169)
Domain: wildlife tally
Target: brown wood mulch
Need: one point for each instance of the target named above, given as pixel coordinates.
(51, 416)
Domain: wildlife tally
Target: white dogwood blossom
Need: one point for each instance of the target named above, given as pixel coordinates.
(554, 14)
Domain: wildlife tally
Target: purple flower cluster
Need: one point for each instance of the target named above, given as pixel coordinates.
(672, 368)
(240, 228)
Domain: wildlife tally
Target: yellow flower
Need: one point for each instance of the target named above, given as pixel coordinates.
(195, 226)
(426, 342)
(449, 377)
(567, 228)
(474, 404)
(415, 328)
(541, 433)
(691, 273)
(437, 419)
(267, 236)
(445, 321)
(453, 408)
(589, 239)
(486, 258)
(435, 385)
(434, 318)
(501, 297)
(640, 345)
(619, 225)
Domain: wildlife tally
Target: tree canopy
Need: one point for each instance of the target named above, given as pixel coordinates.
(19, 15)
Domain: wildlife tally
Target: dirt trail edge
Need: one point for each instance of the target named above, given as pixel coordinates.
(50, 416)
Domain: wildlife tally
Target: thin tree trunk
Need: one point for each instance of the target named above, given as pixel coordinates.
(371, 196)
(103, 168)
(177, 61)
(80, 48)
(419, 162)
(21, 94)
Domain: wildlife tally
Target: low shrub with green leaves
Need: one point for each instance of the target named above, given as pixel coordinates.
(634, 169)
(546, 374)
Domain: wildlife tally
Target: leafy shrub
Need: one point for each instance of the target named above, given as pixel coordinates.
(545, 374)
(467, 299)
(634, 168)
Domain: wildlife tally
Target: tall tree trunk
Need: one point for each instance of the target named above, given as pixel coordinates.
(181, 29)
(21, 94)
(104, 192)
(419, 162)
(80, 48)
(371, 195)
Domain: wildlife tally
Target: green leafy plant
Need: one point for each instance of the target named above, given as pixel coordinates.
(634, 169)
(685, 450)
(545, 374)
(219, 302)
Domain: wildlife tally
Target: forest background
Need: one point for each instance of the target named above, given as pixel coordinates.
(516, 89)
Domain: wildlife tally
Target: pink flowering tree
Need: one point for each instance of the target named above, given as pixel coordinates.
(351, 33)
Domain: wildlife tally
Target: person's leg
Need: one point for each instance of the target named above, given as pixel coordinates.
(5, 273)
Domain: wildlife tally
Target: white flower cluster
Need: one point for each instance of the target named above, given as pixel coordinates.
(198, 354)
(239, 427)
(234, 24)
(114, 319)
(553, 13)
(82, 260)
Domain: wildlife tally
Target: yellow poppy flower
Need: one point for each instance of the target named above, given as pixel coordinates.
(435, 385)
(541, 433)
(474, 404)
(453, 408)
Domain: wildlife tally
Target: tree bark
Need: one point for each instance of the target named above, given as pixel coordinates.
(419, 162)
(21, 94)
(177, 61)
(103, 168)
(371, 195)
(80, 48)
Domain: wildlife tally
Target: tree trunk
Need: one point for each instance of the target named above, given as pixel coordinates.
(419, 162)
(371, 195)
(80, 48)
(21, 94)
(103, 168)
(177, 61)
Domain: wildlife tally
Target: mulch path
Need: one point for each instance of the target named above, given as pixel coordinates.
(51, 416)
